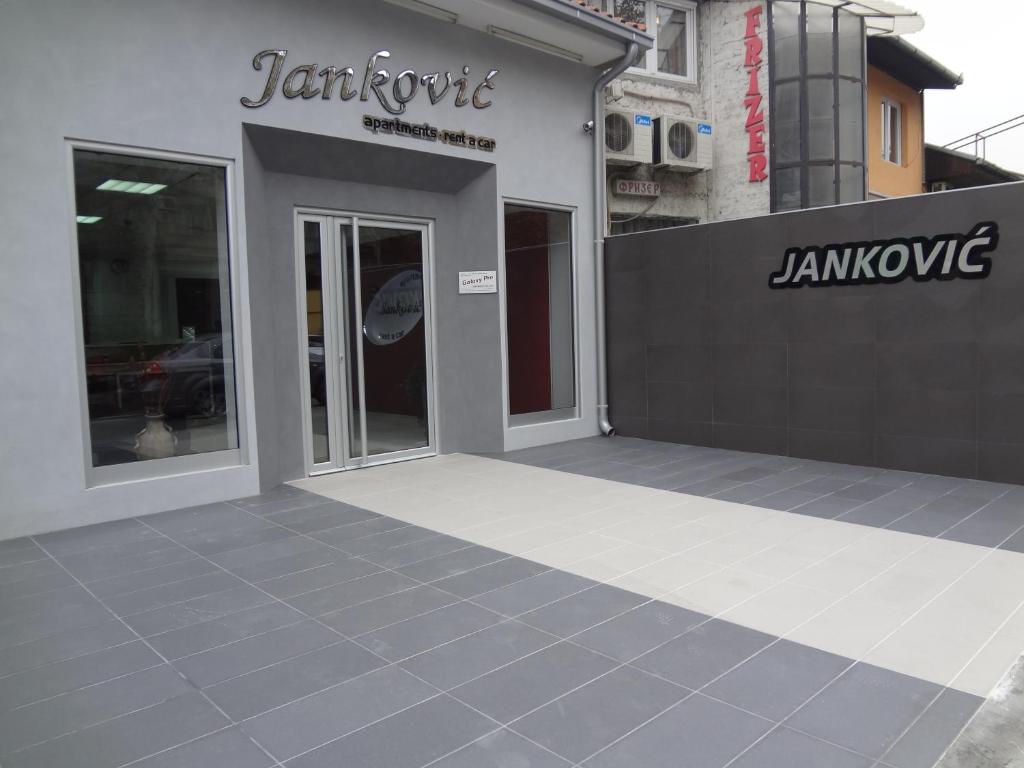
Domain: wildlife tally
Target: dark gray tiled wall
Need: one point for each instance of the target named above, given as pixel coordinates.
(926, 377)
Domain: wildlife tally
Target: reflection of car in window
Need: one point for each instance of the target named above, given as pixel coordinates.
(188, 379)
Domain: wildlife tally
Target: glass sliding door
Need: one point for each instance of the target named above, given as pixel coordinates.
(367, 326)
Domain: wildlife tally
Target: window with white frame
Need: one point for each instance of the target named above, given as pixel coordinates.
(892, 131)
(673, 23)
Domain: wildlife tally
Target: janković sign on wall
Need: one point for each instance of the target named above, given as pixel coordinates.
(943, 257)
(309, 81)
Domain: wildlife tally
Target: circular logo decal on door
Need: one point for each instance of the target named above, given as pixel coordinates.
(395, 309)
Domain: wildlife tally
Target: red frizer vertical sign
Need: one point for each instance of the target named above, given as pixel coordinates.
(757, 160)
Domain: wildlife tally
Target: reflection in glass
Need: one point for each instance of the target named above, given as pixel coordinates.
(319, 412)
(821, 129)
(785, 26)
(671, 39)
(156, 310)
(819, 39)
(539, 314)
(393, 340)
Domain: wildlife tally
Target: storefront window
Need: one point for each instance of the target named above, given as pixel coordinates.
(817, 104)
(156, 308)
(539, 313)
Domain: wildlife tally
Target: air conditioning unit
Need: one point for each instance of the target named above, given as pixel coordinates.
(940, 186)
(627, 137)
(682, 144)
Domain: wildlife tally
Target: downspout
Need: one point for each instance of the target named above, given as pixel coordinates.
(600, 216)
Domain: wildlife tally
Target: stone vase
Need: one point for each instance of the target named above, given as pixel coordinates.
(156, 440)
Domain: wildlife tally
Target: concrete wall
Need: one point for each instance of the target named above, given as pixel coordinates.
(907, 177)
(717, 96)
(168, 76)
(924, 376)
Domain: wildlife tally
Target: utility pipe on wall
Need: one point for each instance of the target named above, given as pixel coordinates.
(600, 216)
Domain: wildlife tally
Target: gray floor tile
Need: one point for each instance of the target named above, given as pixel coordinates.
(205, 544)
(786, 499)
(785, 748)
(927, 521)
(153, 577)
(54, 601)
(501, 749)
(91, 567)
(198, 610)
(928, 738)
(256, 692)
(741, 494)
(1014, 543)
(786, 481)
(702, 732)
(982, 489)
(989, 526)
(219, 664)
(66, 645)
(422, 633)
(877, 514)
(315, 720)
(346, 534)
(227, 629)
(339, 570)
(417, 551)
(229, 748)
(512, 691)
(639, 630)
(391, 609)
(330, 599)
(525, 595)
(466, 559)
(396, 537)
(217, 517)
(264, 503)
(582, 610)
(457, 662)
(170, 594)
(707, 487)
(749, 474)
(703, 653)
(20, 551)
(320, 517)
(493, 576)
(37, 626)
(828, 507)
(592, 717)
(865, 491)
(263, 553)
(778, 679)
(43, 720)
(53, 679)
(409, 739)
(126, 738)
(827, 484)
(34, 585)
(866, 709)
(90, 537)
(316, 554)
(33, 569)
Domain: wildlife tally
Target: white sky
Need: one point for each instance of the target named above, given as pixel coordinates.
(981, 39)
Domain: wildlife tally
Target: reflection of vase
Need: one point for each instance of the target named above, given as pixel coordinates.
(156, 440)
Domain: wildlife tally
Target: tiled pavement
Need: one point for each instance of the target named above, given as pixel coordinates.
(467, 612)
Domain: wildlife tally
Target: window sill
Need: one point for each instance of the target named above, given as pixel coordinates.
(662, 78)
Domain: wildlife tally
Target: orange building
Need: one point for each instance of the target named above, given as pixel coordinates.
(897, 76)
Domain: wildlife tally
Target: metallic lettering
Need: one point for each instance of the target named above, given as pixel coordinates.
(275, 73)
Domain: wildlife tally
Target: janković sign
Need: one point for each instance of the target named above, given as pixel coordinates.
(943, 257)
(309, 81)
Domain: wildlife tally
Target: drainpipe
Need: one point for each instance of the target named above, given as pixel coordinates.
(600, 215)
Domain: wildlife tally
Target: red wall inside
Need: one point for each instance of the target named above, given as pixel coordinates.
(528, 315)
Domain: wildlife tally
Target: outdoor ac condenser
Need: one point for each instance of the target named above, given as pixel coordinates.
(627, 137)
(682, 144)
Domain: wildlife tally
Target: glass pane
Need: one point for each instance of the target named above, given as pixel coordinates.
(819, 39)
(851, 45)
(319, 420)
(786, 31)
(851, 121)
(894, 132)
(787, 189)
(851, 183)
(821, 137)
(156, 308)
(539, 299)
(671, 41)
(821, 185)
(634, 11)
(786, 122)
(390, 283)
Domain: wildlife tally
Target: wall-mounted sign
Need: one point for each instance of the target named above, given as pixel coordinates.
(310, 81)
(943, 257)
(757, 160)
(637, 188)
(480, 281)
(395, 308)
(394, 126)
